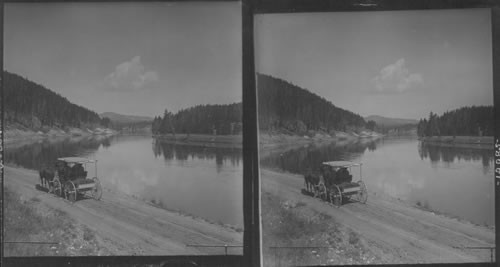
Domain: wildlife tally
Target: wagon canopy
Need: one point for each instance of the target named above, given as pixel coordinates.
(341, 164)
(77, 160)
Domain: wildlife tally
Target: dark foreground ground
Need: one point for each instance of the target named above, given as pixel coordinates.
(116, 225)
(382, 231)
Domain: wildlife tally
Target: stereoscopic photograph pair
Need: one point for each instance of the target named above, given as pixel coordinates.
(249, 133)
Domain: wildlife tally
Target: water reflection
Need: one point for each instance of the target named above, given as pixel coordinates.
(448, 154)
(308, 159)
(454, 181)
(45, 152)
(205, 181)
(183, 152)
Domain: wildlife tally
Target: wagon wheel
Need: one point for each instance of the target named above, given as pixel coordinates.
(322, 193)
(70, 191)
(335, 196)
(362, 193)
(97, 190)
(56, 187)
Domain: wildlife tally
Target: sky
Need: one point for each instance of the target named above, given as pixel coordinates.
(399, 64)
(129, 58)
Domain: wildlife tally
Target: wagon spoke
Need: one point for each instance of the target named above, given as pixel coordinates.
(70, 191)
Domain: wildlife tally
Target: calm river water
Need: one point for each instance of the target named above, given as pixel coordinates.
(455, 181)
(203, 181)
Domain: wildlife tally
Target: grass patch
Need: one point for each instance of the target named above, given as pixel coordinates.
(23, 224)
(316, 238)
(88, 235)
(353, 238)
(300, 204)
(28, 223)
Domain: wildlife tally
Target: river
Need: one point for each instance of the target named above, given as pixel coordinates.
(458, 182)
(201, 180)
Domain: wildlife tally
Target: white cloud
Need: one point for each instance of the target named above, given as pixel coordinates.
(396, 78)
(130, 75)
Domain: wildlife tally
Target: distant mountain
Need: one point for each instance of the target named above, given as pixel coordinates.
(390, 122)
(285, 106)
(35, 106)
(125, 119)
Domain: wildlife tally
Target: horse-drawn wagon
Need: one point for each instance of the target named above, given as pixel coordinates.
(334, 183)
(69, 179)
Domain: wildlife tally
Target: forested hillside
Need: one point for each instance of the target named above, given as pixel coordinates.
(283, 105)
(201, 119)
(33, 106)
(466, 121)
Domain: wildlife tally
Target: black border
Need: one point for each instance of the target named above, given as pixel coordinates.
(287, 6)
(302, 6)
(1, 127)
(495, 36)
(249, 218)
(252, 240)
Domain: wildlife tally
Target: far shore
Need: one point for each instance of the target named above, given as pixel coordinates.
(16, 135)
(203, 139)
(278, 141)
(481, 142)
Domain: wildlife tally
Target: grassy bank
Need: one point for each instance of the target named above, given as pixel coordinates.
(278, 143)
(485, 142)
(278, 139)
(29, 222)
(16, 133)
(296, 235)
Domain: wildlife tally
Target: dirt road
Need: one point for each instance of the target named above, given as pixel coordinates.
(394, 231)
(129, 226)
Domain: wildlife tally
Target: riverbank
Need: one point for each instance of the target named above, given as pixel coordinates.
(123, 224)
(277, 143)
(482, 142)
(203, 139)
(270, 140)
(17, 134)
(382, 231)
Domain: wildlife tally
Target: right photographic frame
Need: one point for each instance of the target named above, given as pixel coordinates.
(376, 136)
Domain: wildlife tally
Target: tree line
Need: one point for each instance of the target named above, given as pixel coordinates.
(283, 105)
(33, 105)
(466, 121)
(201, 119)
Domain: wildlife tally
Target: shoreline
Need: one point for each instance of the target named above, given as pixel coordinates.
(124, 220)
(236, 228)
(272, 139)
(274, 143)
(391, 231)
(277, 171)
(14, 136)
(264, 151)
(478, 142)
(202, 140)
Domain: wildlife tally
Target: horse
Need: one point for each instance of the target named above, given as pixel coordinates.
(46, 178)
(311, 181)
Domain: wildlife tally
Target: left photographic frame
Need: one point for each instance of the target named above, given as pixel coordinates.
(146, 98)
